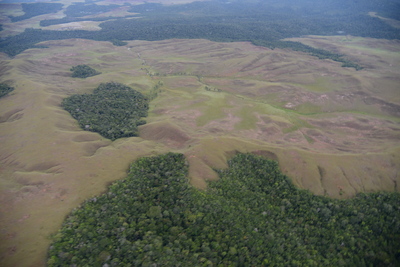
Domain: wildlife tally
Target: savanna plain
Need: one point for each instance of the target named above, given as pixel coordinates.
(334, 131)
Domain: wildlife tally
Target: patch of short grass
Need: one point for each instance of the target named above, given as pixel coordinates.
(308, 108)
(320, 85)
(213, 108)
(248, 121)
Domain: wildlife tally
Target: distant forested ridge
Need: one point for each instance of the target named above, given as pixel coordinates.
(251, 216)
(261, 22)
(113, 110)
(35, 9)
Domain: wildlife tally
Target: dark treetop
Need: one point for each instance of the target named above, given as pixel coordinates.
(113, 110)
(251, 216)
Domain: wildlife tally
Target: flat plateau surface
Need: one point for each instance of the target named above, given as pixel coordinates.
(334, 131)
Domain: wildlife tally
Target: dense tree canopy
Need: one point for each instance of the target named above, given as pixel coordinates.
(35, 9)
(252, 216)
(113, 110)
(83, 71)
(84, 9)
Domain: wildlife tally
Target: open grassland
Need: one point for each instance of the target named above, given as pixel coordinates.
(334, 131)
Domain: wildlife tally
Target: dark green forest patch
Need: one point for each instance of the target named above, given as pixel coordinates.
(83, 71)
(251, 216)
(35, 9)
(113, 110)
(5, 89)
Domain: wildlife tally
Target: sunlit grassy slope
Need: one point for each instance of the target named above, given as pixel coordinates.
(333, 130)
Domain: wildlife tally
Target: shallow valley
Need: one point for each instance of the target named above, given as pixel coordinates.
(333, 130)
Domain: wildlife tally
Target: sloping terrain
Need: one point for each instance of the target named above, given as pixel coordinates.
(334, 131)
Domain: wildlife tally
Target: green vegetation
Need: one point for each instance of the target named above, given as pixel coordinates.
(319, 53)
(113, 110)
(36, 9)
(252, 216)
(83, 71)
(5, 89)
(118, 42)
(84, 9)
(211, 88)
(30, 37)
(264, 23)
(155, 90)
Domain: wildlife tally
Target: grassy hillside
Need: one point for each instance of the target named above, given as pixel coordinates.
(333, 130)
(300, 112)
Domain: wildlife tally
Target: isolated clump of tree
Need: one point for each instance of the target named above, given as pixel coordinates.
(83, 71)
(251, 216)
(113, 110)
(5, 89)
